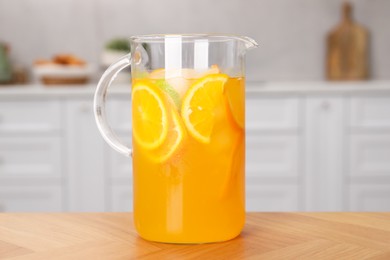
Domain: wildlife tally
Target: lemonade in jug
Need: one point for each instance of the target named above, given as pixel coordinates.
(188, 119)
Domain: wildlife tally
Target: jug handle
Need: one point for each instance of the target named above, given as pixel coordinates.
(99, 105)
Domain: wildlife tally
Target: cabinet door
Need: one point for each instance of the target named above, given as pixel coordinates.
(86, 172)
(269, 197)
(369, 153)
(272, 153)
(26, 158)
(324, 144)
(119, 166)
(369, 197)
(272, 173)
(369, 158)
(120, 191)
(272, 157)
(121, 197)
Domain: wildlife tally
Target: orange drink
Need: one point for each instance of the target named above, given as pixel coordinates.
(188, 155)
(188, 129)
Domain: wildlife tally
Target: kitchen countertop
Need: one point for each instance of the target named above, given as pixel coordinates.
(265, 236)
(273, 88)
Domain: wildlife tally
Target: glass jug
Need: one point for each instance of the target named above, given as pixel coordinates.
(188, 120)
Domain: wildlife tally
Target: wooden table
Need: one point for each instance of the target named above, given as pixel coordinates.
(266, 236)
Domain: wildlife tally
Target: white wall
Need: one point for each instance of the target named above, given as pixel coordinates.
(290, 32)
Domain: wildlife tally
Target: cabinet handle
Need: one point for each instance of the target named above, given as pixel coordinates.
(325, 105)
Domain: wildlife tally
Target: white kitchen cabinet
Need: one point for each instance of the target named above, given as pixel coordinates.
(31, 165)
(313, 148)
(368, 153)
(273, 157)
(324, 153)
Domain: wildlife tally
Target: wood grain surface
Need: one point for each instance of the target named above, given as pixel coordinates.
(347, 49)
(266, 236)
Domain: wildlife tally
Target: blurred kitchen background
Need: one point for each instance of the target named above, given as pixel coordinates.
(312, 144)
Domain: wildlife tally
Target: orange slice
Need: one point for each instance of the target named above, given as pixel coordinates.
(174, 142)
(200, 103)
(235, 95)
(150, 117)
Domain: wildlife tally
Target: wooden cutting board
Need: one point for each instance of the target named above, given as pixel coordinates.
(347, 49)
(266, 236)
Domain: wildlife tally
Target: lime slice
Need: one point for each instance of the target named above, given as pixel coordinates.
(168, 89)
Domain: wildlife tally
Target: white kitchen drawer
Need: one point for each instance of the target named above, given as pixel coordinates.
(270, 113)
(30, 116)
(369, 197)
(370, 112)
(121, 198)
(272, 197)
(26, 157)
(31, 199)
(272, 157)
(369, 157)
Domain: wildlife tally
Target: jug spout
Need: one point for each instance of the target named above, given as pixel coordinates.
(248, 42)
